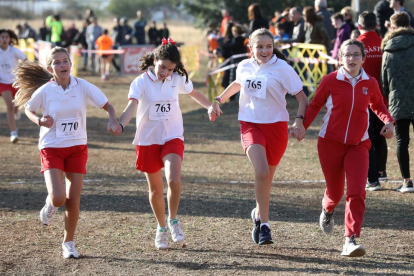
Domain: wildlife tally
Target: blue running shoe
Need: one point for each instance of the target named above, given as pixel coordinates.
(265, 237)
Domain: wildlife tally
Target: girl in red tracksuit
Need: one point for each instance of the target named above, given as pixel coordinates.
(343, 142)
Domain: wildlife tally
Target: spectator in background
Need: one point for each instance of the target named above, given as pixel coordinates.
(285, 19)
(164, 32)
(44, 32)
(398, 6)
(367, 24)
(315, 32)
(226, 53)
(355, 34)
(28, 32)
(70, 35)
(139, 29)
(281, 35)
(19, 30)
(273, 21)
(89, 14)
(321, 10)
(226, 18)
(298, 34)
(80, 40)
(153, 34)
(93, 31)
(383, 12)
(348, 15)
(56, 26)
(398, 85)
(343, 33)
(105, 43)
(126, 31)
(117, 36)
(256, 18)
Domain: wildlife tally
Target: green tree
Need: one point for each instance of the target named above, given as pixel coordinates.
(129, 8)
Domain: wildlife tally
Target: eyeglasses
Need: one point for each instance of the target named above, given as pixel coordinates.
(355, 56)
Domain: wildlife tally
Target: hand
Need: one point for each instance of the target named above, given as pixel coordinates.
(298, 130)
(46, 121)
(388, 130)
(114, 127)
(387, 24)
(214, 112)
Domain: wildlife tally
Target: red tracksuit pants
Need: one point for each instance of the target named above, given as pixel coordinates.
(339, 161)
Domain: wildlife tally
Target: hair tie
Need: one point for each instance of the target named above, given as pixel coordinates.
(169, 41)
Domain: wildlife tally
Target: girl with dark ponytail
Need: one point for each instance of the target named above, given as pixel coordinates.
(264, 81)
(63, 150)
(159, 134)
(9, 59)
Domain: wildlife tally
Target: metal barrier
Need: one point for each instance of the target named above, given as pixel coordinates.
(190, 56)
(27, 47)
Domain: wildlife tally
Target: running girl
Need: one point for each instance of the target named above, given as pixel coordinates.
(264, 81)
(343, 143)
(9, 58)
(63, 99)
(159, 135)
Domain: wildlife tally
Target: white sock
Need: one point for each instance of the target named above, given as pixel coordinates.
(266, 223)
(257, 216)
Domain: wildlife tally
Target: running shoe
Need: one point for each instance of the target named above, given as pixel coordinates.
(406, 187)
(161, 238)
(47, 212)
(69, 250)
(14, 138)
(326, 221)
(176, 229)
(256, 227)
(375, 186)
(265, 236)
(352, 249)
(382, 176)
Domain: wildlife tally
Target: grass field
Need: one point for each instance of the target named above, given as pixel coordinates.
(116, 227)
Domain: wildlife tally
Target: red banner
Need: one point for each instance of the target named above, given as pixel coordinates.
(130, 59)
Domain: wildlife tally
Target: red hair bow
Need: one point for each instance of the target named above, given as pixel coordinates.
(169, 41)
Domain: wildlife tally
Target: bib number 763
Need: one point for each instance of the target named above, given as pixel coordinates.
(163, 107)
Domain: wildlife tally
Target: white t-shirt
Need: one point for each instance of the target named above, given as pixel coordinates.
(263, 90)
(159, 117)
(68, 110)
(9, 59)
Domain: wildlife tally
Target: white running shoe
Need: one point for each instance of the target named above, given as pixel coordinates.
(352, 249)
(47, 212)
(14, 137)
(17, 115)
(176, 229)
(161, 238)
(326, 222)
(69, 250)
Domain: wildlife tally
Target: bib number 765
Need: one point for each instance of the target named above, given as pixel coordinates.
(254, 84)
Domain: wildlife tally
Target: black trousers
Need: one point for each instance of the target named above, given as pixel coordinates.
(402, 132)
(379, 152)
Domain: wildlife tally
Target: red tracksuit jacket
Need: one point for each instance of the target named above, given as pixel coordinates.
(347, 118)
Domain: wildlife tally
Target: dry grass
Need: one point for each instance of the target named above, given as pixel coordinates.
(116, 227)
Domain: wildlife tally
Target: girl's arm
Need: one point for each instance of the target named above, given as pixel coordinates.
(200, 99)
(46, 121)
(298, 130)
(112, 124)
(215, 111)
(127, 115)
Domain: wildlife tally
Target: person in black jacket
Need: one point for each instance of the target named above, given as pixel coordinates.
(383, 11)
(256, 18)
(80, 38)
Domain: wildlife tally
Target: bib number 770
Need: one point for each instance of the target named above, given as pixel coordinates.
(68, 127)
(254, 84)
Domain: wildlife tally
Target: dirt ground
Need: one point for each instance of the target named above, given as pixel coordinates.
(116, 230)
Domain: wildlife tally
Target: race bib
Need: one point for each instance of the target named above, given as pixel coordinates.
(68, 127)
(254, 87)
(161, 110)
(5, 68)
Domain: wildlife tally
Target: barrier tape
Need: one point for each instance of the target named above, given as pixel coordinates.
(223, 69)
(103, 51)
(233, 57)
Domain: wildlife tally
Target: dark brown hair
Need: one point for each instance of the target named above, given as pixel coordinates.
(164, 52)
(310, 15)
(400, 19)
(254, 11)
(14, 40)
